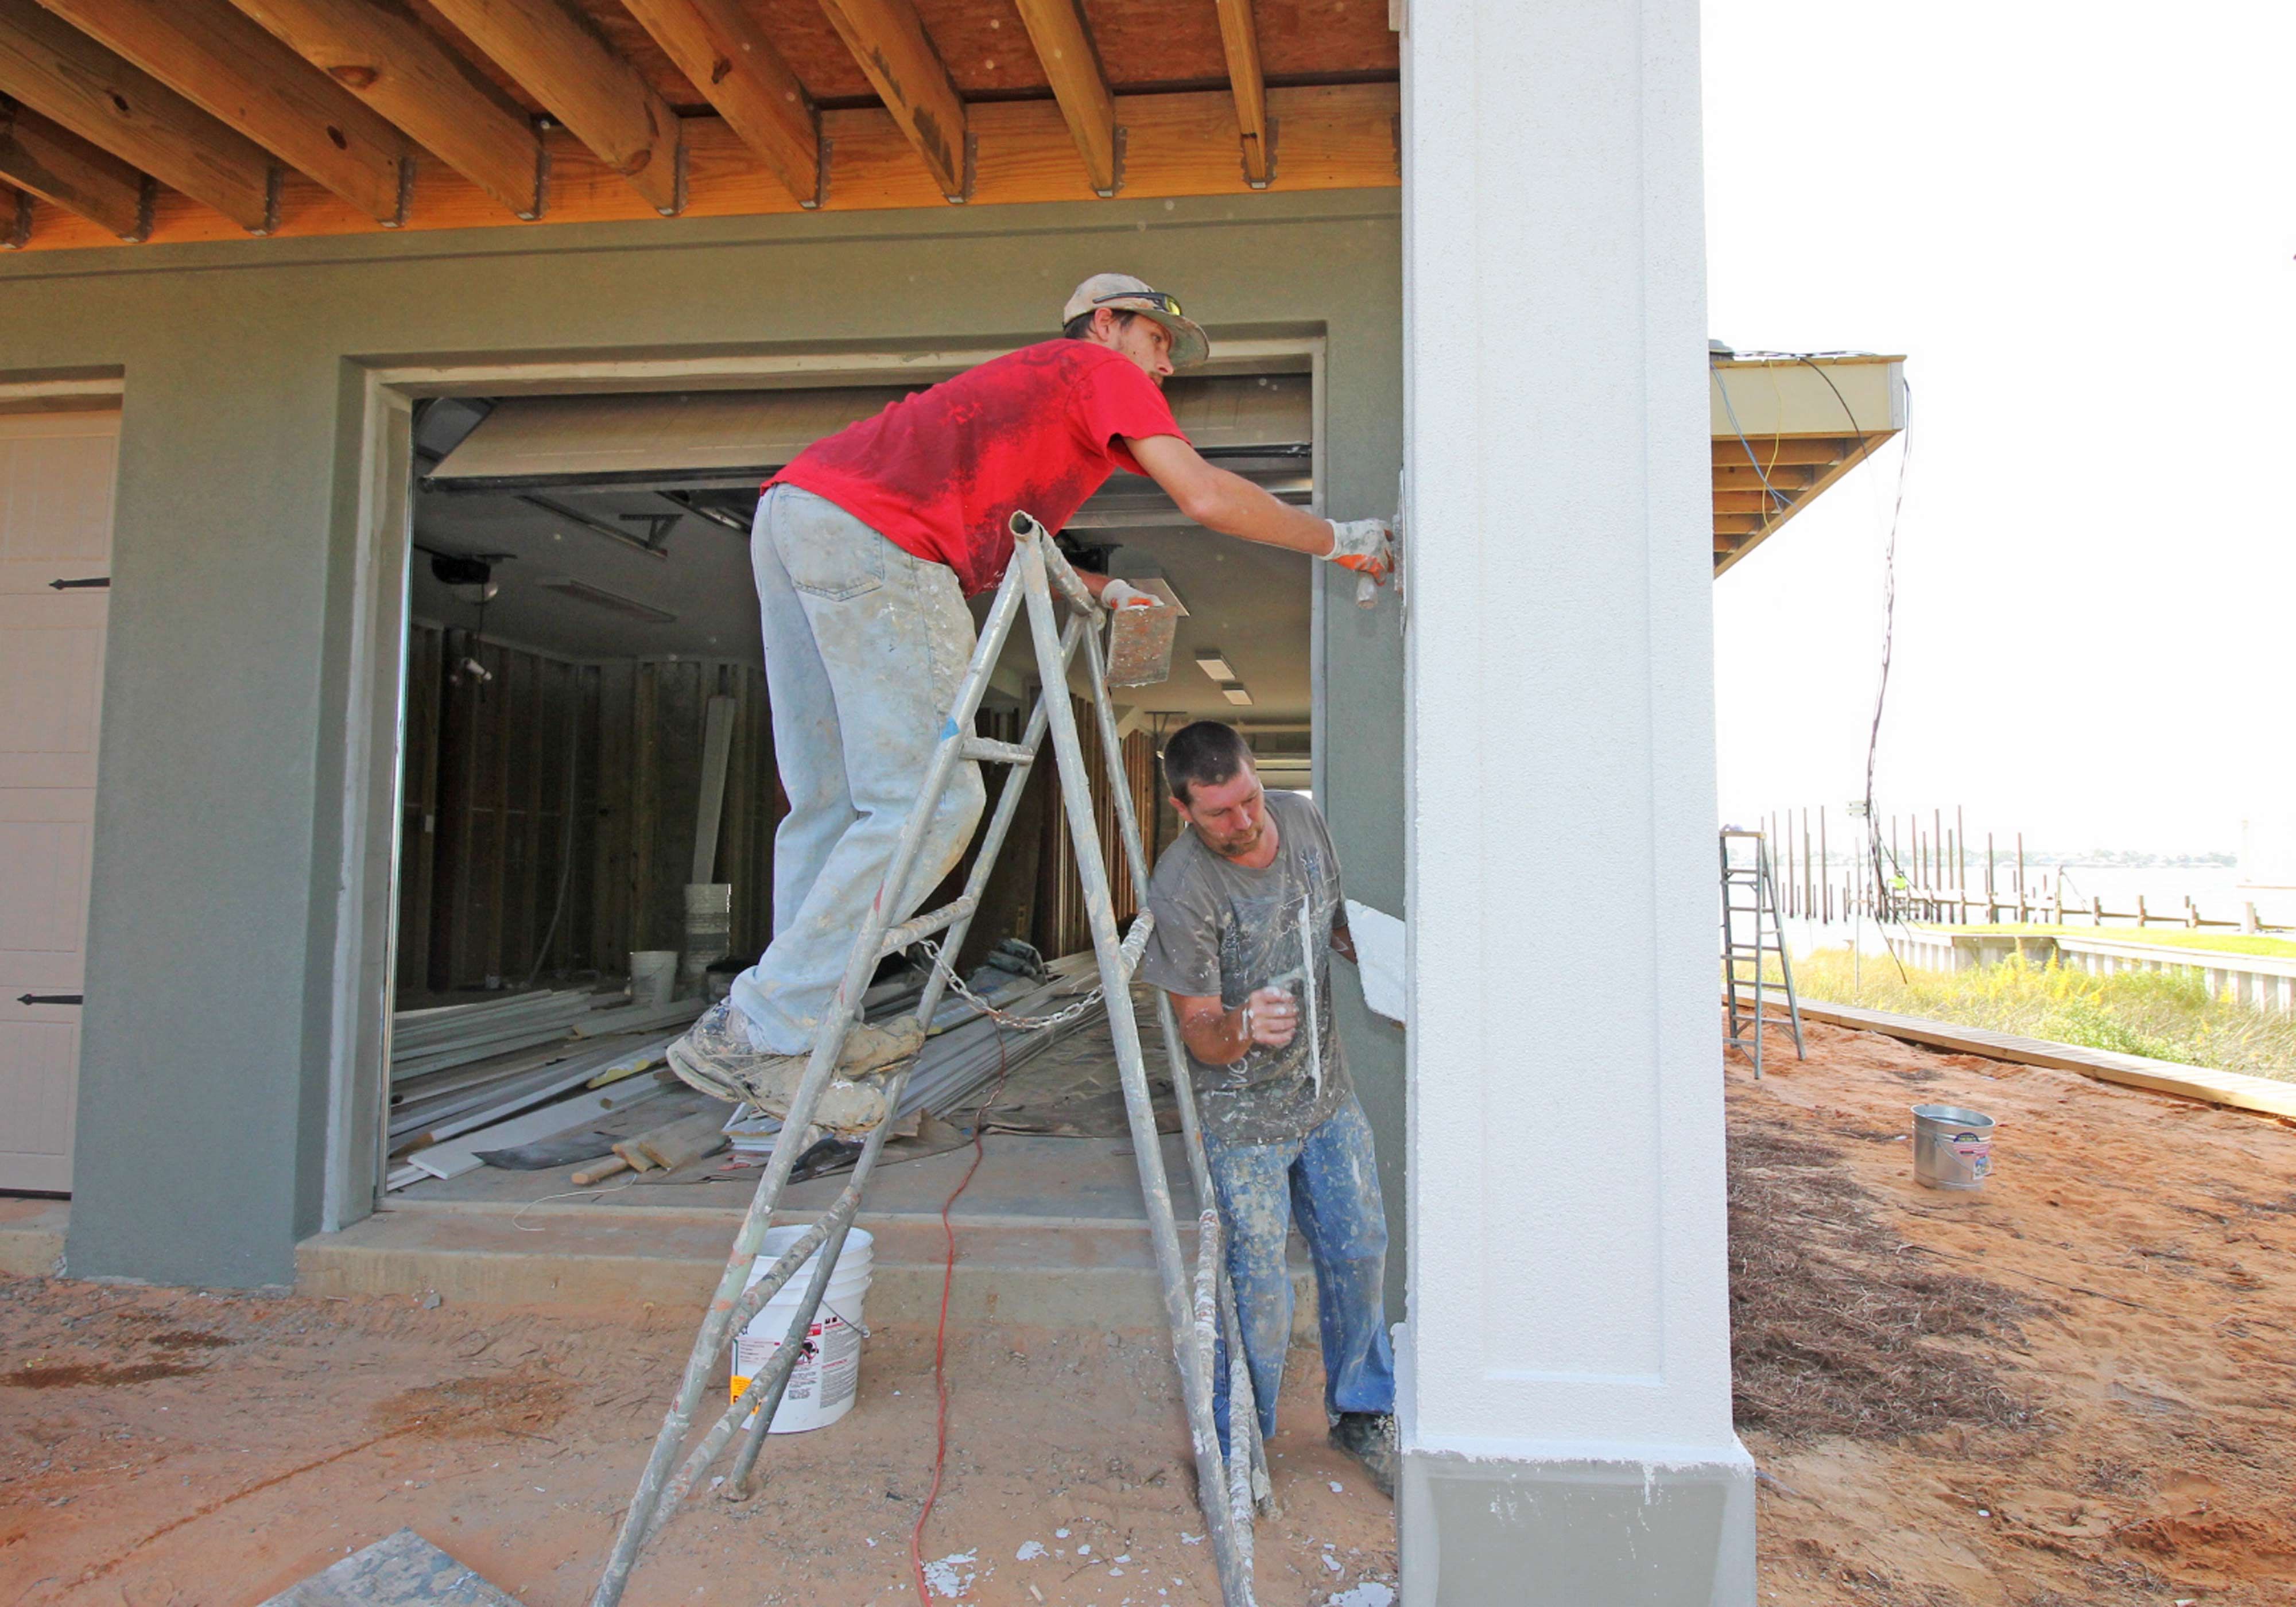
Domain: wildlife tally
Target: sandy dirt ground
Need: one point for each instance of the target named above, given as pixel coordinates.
(163, 1448)
(2069, 1390)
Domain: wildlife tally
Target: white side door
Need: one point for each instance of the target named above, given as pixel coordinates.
(56, 475)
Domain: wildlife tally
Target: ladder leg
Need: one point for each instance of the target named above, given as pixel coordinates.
(1076, 787)
(1239, 1399)
(639, 1522)
(738, 1486)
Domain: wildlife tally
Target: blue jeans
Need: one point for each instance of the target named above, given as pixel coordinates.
(865, 648)
(1327, 1184)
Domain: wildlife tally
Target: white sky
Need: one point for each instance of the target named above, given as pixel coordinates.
(2076, 224)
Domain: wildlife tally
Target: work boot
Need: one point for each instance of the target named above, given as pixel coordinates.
(717, 1057)
(870, 1048)
(711, 1050)
(1369, 1436)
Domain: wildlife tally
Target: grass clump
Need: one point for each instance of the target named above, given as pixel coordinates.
(2162, 1014)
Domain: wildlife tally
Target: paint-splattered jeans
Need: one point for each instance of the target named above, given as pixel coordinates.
(1328, 1184)
(865, 647)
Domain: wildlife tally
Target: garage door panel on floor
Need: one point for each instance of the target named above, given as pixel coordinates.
(56, 473)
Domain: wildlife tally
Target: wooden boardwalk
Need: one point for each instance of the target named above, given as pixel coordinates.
(2268, 1094)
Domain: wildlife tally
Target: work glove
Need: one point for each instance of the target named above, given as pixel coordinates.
(1116, 594)
(1365, 546)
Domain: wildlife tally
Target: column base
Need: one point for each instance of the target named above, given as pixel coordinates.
(1594, 1532)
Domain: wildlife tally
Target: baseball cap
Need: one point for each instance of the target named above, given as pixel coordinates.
(1123, 293)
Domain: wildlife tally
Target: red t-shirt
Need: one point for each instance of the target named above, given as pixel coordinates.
(939, 473)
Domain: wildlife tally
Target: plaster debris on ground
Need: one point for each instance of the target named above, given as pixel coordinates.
(953, 1575)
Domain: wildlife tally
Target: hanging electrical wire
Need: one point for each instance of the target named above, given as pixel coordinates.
(1884, 897)
(1778, 499)
(1885, 903)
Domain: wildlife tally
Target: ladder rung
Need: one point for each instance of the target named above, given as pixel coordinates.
(900, 937)
(995, 753)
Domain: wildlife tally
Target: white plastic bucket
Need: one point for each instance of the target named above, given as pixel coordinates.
(825, 1381)
(708, 934)
(654, 974)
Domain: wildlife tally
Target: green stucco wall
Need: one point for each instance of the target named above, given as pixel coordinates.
(205, 1042)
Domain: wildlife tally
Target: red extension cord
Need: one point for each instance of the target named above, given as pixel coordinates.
(940, 1338)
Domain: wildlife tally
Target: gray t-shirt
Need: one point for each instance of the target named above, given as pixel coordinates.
(1223, 928)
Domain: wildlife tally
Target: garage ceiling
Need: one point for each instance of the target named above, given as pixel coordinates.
(575, 501)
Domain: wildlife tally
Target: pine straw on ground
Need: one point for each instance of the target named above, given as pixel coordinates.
(1837, 1326)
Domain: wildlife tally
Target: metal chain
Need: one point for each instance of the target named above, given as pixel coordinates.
(1003, 1018)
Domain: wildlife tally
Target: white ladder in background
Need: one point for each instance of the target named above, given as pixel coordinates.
(1750, 932)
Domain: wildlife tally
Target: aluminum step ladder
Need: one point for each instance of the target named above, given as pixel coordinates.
(1750, 932)
(1199, 1304)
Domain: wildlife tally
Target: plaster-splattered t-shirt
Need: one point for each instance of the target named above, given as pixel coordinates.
(939, 473)
(1223, 929)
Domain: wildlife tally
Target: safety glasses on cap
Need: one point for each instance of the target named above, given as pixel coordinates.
(1155, 299)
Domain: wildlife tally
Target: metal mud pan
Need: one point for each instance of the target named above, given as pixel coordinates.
(1140, 639)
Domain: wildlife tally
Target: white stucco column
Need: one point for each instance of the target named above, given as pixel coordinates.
(1566, 1412)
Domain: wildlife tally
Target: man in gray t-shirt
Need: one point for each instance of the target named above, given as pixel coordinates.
(1248, 916)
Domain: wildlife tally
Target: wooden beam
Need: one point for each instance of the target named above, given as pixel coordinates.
(67, 76)
(890, 42)
(1064, 46)
(1335, 137)
(1740, 477)
(2272, 1095)
(15, 219)
(1738, 524)
(1795, 451)
(56, 165)
(718, 46)
(597, 94)
(230, 68)
(378, 51)
(1239, 39)
(1754, 500)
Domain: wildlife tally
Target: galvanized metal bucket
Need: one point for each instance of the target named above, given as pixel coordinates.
(1952, 1148)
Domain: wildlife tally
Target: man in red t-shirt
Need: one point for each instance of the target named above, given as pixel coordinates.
(864, 548)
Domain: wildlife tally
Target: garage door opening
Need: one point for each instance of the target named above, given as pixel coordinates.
(588, 732)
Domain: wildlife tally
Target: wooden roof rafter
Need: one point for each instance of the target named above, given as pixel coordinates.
(509, 111)
(889, 40)
(1072, 61)
(720, 46)
(382, 54)
(597, 94)
(229, 66)
(1240, 42)
(52, 67)
(43, 159)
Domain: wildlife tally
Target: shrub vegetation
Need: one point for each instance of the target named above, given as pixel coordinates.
(2164, 1015)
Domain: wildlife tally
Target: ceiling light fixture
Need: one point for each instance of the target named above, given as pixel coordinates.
(1209, 660)
(1234, 692)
